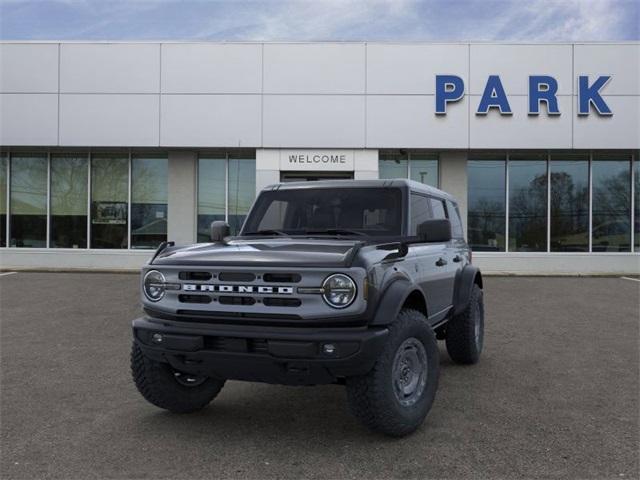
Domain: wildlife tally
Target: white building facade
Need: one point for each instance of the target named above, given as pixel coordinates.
(107, 149)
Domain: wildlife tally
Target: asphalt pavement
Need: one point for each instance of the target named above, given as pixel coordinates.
(555, 395)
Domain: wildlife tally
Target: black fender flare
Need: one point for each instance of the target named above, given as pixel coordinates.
(465, 279)
(390, 303)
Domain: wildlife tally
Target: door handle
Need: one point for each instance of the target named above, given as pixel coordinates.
(457, 258)
(441, 262)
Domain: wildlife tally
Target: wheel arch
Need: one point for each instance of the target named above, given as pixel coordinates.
(469, 276)
(400, 294)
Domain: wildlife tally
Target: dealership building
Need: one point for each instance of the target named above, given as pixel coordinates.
(108, 149)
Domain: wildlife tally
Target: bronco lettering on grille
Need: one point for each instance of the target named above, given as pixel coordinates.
(261, 289)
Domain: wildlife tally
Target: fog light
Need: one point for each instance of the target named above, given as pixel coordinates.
(329, 348)
(156, 338)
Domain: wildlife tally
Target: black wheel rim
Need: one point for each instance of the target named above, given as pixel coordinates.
(410, 367)
(188, 379)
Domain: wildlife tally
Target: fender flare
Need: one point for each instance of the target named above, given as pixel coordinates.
(391, 301)
(465, 279)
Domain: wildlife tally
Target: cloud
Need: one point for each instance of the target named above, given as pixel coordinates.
(331, 20)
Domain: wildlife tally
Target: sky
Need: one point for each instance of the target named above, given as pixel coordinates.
(321, 20)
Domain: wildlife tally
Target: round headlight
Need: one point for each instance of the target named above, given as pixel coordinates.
(339, 290)
(154, 285)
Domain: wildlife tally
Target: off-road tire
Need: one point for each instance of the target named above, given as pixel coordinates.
(462, 345)
(372, 398)
(157, 384)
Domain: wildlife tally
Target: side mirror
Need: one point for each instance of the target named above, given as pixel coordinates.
(435, 231)
(219, 230)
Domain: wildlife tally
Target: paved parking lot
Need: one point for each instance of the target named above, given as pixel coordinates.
(555, 395)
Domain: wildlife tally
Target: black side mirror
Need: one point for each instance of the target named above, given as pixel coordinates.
(219, 230)
(435, 231)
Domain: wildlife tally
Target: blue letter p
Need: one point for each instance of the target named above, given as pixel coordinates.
(449, 88)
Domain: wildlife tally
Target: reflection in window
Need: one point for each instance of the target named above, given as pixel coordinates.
(242, 190)
(393, 165)
(69, 201)
(28, 201)
(528, 203)
(211, 194)
(109, 196)
(611, 181)
(3, 199)
(636, 189)
(487, 204)
(456, 221)
(569, 203)
(424, 168)
(149, 194)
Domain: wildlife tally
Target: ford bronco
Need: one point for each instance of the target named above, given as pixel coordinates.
(347, 282)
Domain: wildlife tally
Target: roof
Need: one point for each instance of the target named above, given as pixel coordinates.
(381, 183)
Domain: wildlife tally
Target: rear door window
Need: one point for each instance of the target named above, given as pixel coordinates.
(420, 212)
(456, 221)
(437, 206)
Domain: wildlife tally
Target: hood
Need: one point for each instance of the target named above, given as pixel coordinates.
(271, 252)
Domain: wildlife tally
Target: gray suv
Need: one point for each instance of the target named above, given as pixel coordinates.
(348, 282)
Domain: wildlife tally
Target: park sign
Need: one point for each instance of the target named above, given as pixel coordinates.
(542, 89)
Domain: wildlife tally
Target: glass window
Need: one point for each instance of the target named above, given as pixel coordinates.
(437, 208)
(211, 193)
(636, 189)
(611, 182)
(3, 199)
(393, 165)
(109, 197)
(370, 211)
(486, 198)
(242, 189)
(456, 221)
(420, 212)
(69, 178)
(28, 200)
(569, 203)
(424, 168)
(149, 194)
(528, 203)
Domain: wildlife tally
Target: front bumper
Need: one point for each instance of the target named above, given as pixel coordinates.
(290, 356)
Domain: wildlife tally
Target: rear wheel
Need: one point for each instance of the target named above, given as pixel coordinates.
(465, 332)
(164, 387)
(396, 395)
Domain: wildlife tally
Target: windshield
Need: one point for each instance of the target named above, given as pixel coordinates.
(325, 211)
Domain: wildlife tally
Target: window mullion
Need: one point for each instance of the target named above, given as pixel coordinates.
(7, 220)
(633, 206)
(548, 202)
(88, 200)
(226, 187)
(48, 227)
(129, 206)
(506, 202)
(590, 200)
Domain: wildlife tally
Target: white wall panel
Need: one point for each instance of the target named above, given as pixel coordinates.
(620, 61)
(621, 130)
(521, 130)
(409, 121)
(313, 121)
(514, 64)
(109, 120)
(211, 120)
(110, 68)
(211, 68)
(314, 68)
(28, 119)
(28, 68)
(412, 69)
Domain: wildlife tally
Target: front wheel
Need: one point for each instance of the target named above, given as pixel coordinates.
(167, 388)
(396, 395)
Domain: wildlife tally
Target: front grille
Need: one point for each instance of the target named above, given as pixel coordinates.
(238, 345)
(282, 277)
(229, 300)
(194, 298)
(282, 302)
(236, 277)
(196, 276)
(205, 315)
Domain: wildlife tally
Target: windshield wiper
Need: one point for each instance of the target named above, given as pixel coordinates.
(267, 232)
(335, 231)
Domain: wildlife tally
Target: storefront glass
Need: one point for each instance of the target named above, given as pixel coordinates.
(393, 165)
(3, 200)
(69, 182)
(149, 195)
(527, 202)
(423, 168)
(211, 193)
(611, 231)
(569, 220)
(109, 197)
(242, 189)
(28, 223)
(419, 166)
(636, 188)
(486, 203)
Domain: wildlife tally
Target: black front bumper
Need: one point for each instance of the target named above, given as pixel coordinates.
(290, 356)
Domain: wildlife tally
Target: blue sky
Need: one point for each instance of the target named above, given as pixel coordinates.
(305, 20)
